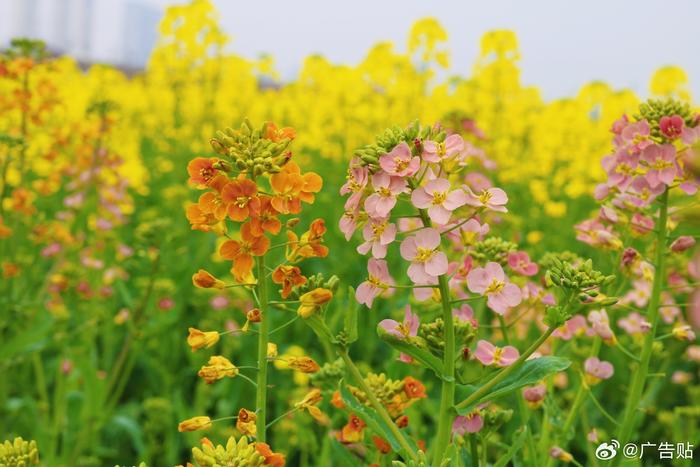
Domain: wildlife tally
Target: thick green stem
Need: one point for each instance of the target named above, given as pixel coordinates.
(503, 374)
(640, 376)
(447, 394)
(263, 330)
(376, 405)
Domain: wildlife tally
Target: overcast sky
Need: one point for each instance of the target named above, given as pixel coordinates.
(564, 43)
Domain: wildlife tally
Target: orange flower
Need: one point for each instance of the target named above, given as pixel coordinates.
(354, 430)
(10, 269)
(204, 221)
(288, 276)
(337, 401)
(241, 198)
(205, 280)
(212, 202)
(291, 188)
(312, 301)
(202, 171)
(22, 201)
(278, 134)
(246, 422)
(381, 444)
(5, 231)
(194, 424)
(201, 340)
(303, 364)
(265, 220)
(242, 252)
(309, 246)
(413, 388)
(275, 459)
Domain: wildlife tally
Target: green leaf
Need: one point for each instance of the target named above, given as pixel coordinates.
(33, 339)
(351, 318)
(374, 421)
(420, 354)
(342, 457)
(530, 372)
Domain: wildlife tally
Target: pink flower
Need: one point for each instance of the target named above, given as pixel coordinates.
(619, 124)
(488, 354)
(469, 233)
(436, 152)
(519, 262)
(683, 332)
(634, 324)
(438, 200)
(621, 169)
(378, 233)
(601, 325)
(424, 293)
(356, 181)
(426, 261)
(573, 327)
(464, 313)
(641, 224)
(400, 162)
(597, 370)
(471, 423)
(219, 302)
(405, 329)
(682, 243)
(662, 164)
(348, 223)
(640, 293)
(51, 250)
(671, 127)
(379, 281)
(494, 199)
(534, 395)
(491, 282)
(477, 181)
(635, 136)
(690, 135)
(386, 189)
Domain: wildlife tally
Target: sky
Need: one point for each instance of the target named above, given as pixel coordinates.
(564, 44)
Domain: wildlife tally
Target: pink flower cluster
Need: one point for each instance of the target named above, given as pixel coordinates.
(421, 174)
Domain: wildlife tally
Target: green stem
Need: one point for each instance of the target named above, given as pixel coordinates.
(376, 405)
(522, 409)
(503, 374)
(579, 399)
(640, 376)
(447, 393)
(263, 330)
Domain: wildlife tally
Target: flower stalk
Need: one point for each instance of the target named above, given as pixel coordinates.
(263, 336)
(640, 376)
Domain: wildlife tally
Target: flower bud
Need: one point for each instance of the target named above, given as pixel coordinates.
(194, 424)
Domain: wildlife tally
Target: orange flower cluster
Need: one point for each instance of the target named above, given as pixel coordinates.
(244, 199)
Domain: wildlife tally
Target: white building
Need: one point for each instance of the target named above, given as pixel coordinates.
(119, 32)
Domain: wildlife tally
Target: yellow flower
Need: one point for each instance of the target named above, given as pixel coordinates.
(205, 280)
(200, 339)
(217, 368)
(194, 424)
(246, 422)
(311, 301)
(271, 350)
(303, 364)
(309, 402)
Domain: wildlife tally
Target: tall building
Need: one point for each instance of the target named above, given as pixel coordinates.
(119, 32)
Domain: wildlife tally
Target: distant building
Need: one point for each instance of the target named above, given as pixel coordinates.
(118, 32)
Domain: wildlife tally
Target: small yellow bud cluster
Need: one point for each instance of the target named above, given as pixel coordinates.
(256, 151)
(18, 453)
